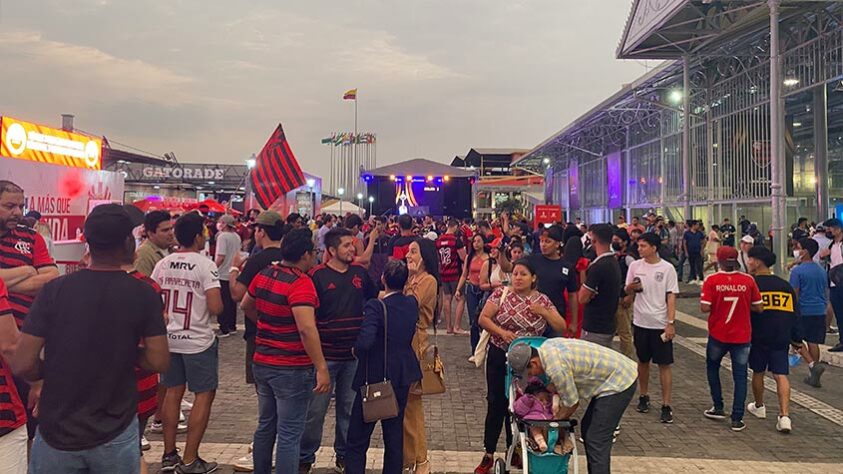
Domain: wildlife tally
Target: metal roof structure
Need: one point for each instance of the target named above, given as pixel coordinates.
(419, 167)
(671, 29)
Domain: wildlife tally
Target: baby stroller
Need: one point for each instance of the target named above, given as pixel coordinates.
(533, 462)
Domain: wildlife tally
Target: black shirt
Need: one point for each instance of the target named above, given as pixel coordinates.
(728, 231)
(340, 313)
(799, 234)
(254, 265)
(399, 246)
(91, 322)
(603, 278)
(553, 278)
(776, 326)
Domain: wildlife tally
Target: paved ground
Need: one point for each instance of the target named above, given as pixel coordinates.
(692, 444)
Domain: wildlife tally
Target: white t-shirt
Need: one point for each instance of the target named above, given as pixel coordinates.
(184, 278)
(658, 279)
(836, 255)
(228, 244)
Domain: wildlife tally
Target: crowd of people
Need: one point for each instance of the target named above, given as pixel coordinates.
(336, 305)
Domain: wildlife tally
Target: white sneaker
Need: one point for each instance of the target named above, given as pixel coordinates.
(145, 444)
(759, 412)
(186, 405)
(158, 427)
(471, 359)
(783, 425)
(244, 464)
(182, 418)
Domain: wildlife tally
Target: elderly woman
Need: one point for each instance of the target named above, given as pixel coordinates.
(402, 368)
(510, 313)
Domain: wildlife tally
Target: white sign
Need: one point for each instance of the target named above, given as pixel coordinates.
(184, 172)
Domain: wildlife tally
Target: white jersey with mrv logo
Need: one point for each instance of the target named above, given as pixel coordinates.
(184, 278)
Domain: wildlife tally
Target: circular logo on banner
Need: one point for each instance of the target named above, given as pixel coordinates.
(92, 154)
(16, 139)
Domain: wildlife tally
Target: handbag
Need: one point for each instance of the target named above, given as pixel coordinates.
(483, 344)
(379, 402)
(433, 370)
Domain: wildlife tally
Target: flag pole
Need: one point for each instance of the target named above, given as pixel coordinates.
(354, 145)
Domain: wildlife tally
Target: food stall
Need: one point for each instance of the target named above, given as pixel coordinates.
(60, 173)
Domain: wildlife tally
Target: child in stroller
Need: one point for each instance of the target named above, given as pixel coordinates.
(540, 402)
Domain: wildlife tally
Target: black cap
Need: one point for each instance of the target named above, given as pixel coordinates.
(108, 225)
(34, 214)
(554, 232)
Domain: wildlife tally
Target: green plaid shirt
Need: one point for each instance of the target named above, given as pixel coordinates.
(582, 370)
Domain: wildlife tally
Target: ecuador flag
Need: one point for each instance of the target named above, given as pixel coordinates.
(350, 95)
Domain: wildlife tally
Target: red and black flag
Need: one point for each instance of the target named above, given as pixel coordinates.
(276, 170)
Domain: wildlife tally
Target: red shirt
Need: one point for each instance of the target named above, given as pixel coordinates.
(731, 295)
(276, 290)
(147, 381)
(23, 247)
(448, 246)
(12, 411)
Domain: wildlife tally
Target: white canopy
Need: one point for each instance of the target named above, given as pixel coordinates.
(334, 208)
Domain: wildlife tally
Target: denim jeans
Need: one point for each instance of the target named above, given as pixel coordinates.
(342, 374)
(284, 396)
(121, 454)
(739, 353)
(695, 261)
(680, 266)
(473, 295)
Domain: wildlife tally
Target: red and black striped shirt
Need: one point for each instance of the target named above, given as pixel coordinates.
(12, 411)
(448, 246)
(147, 381)
(276, 290)
(23, 247)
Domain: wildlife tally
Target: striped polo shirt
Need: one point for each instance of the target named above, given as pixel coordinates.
(23, 247)
(12, 412)
(276, 290)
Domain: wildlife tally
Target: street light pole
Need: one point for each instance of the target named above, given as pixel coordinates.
(360, 200)
(341, 191)
(371, 200)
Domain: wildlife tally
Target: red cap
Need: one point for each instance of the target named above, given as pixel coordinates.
(727, 254)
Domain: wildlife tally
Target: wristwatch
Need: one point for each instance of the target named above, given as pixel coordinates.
(671, 322)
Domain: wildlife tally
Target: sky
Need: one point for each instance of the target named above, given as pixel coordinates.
(209, 80)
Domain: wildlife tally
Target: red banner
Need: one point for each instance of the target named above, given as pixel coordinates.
(547, 214)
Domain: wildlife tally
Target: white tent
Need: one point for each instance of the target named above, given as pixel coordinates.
(334, 208)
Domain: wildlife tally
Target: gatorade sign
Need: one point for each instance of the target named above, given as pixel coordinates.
(32, 142)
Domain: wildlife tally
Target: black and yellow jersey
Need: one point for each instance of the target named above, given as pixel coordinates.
(778, 324)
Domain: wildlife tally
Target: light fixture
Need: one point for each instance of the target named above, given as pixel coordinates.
(250, 163)
(212, 183)
(156, 187)
(311, 182)
(392, 177)
(371, 199)
(359, 196)
(446, 178)
(409, 178)
(675, 96)
(341, 191)
(797, 124)
(546, 161)
(790, 82)
(429, 178)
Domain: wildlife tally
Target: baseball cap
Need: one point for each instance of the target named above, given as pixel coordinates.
(228, 220)
(518, 357)
(748, 239)
(727, 254)
(268, 218)
(820, 227)
(109, 225)
(554, 232)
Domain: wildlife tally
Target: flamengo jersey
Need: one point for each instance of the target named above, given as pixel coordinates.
(23, 247)
(731, 295)
(12, 413)
(449, 262)
(184, 277)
